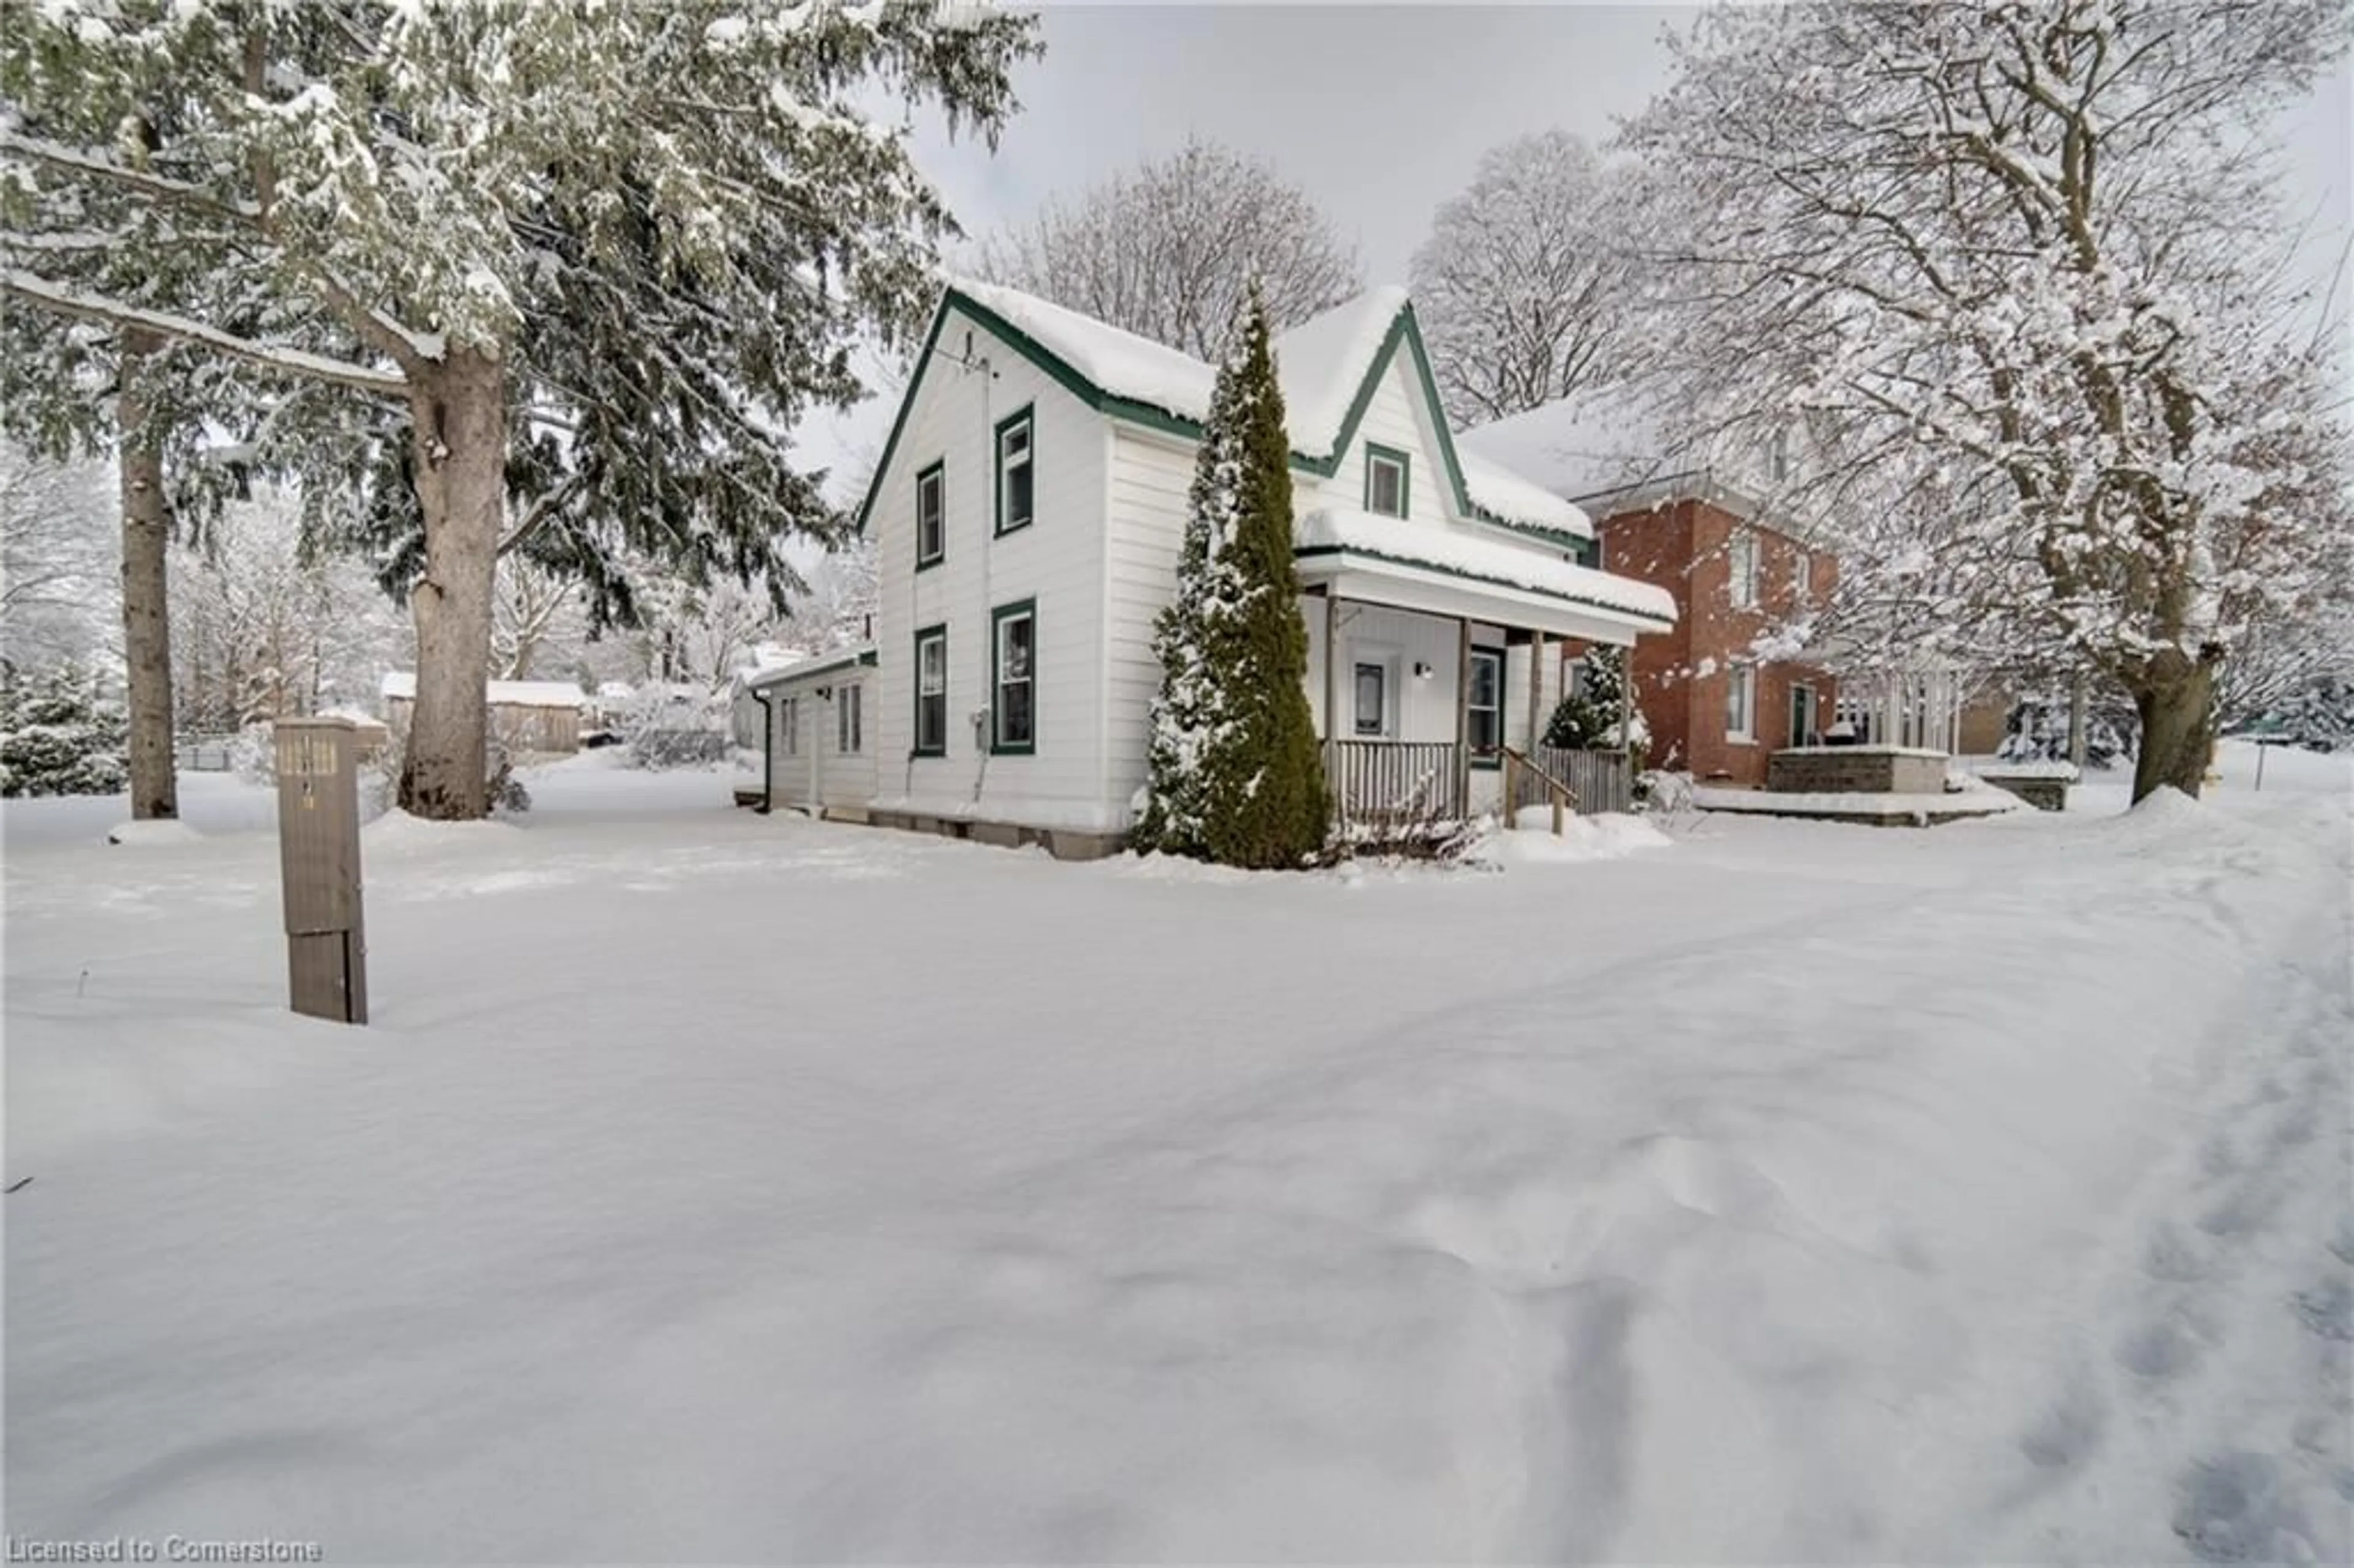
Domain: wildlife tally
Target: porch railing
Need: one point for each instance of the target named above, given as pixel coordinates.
(1396, 791)
(1601, 781)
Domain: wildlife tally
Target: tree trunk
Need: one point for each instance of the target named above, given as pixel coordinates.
(146, 619)
(2178, 731)
(2078, 702)
(459, 412)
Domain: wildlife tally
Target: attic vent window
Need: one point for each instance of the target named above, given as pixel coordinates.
(1385, 480)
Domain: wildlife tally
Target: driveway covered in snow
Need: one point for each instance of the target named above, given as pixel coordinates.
(719, 1188)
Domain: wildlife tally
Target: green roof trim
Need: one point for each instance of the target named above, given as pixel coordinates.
(1402, 332)
(1305, 551)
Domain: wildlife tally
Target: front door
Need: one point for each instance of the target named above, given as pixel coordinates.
(1802, 716)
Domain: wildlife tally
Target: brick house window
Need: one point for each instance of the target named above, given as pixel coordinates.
(1741, 703)
(1743, 556)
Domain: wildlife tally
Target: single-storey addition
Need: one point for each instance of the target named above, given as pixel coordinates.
(1027, 514)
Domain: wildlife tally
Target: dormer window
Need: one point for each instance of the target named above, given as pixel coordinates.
(1387, 471)
(1777, 455)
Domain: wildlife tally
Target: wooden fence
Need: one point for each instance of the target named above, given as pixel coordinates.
(1601, 781)
(1396, 791)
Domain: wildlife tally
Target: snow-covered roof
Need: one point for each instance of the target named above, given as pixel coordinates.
(402, 683)
(1323, 361)
(1581, 445)
(806, 669)
(1500, 492)
(1466, 555)
(1322, 366)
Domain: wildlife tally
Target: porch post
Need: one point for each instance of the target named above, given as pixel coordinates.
(1463, 716)
(1331, 686)
(1536, 690)
(1626, 703)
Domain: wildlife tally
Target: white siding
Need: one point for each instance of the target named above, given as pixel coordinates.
(816, 760)
(1400, 418)
(1145, 528)
(1057, 561)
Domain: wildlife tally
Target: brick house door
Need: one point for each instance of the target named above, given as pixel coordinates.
(1802, 716)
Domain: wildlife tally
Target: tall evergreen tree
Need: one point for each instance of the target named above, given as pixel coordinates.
(1236, 777)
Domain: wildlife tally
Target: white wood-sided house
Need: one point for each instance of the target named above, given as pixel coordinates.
(1027, 513)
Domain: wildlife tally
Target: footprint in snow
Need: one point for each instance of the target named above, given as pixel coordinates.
(2342, 1244)
(2328, 1309)
(2158, 1350)
(2067, 1432)
(2173, 1256)
(2233, 1509)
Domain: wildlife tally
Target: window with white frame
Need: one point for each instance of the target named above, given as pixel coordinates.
(1372, 697)
(1741, 703)
(1013, 721)
(931, 515)
(932, 692)
(849, 719)
(1386, 471)
(1804, 575)
(1016, 467)
(1485, 704)
(789, 726)
(1743, 557)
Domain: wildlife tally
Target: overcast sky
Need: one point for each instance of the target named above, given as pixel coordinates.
(1379, 111)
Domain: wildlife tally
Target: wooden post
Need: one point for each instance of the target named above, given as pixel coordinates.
(1332, 699)
(1463, 717)
(1536, 692)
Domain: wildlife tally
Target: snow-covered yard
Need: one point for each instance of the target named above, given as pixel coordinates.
(715, 1188)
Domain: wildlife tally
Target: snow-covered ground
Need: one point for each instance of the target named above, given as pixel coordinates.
(719, 1188)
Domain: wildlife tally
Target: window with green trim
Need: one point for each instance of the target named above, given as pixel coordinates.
(1484, 705)
(1387, 473)
(1012, 712)
(932, 692)
(932, 515)
(1016, 472)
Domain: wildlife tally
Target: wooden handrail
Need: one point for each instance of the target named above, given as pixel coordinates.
(1561, 795)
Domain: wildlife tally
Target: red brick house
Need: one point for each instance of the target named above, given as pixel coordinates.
(1716, 708)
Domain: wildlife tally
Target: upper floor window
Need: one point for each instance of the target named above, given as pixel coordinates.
(931, 515)
(1804, 578)
(1016, 471)
(1743, 557)
(1386, 473)
(1777, 455)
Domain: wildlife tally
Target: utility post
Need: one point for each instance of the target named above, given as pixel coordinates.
(319, 864)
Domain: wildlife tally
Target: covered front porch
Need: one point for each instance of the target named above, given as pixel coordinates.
(1431, 690)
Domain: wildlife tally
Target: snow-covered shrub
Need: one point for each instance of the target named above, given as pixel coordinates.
(2318, 716)
(2037, 731)
(60, 735)
(1589, 718)
(676, 726)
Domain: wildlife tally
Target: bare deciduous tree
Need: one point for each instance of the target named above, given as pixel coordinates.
(1524, 286)
(2011, 263)
(1166, 250)
(58, 561)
